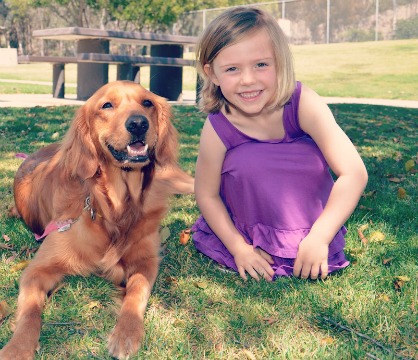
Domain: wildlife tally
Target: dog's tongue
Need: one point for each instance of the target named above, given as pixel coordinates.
(137, 149)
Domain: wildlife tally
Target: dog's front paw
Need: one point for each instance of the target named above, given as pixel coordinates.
(15, 350)
(126, 338)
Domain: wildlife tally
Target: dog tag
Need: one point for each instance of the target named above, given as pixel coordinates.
(65, 227)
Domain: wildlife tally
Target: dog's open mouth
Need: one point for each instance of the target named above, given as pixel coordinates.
(136, 151)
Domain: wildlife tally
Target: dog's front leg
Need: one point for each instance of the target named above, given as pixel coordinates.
(35, 283)
(128, 333)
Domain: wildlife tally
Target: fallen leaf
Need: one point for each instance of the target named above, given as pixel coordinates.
(403, 278)
(201, 284)
(409, 165)
(364, 227)
(6, 246)
(94, 304)
(369, 194)
(4, 310)
(377, 236)
(327, 341)
(384, 297)
(365, 208)
(6, 238)
(270, 321)
(249, 355)
(19, 266)
(395, 180)
(400, 281)
(363, 239)
(164, 234)
(185, 236)
(401, 193)
(171, 280)
(387, 261)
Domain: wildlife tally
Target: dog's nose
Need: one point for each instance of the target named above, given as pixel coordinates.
(137, 125)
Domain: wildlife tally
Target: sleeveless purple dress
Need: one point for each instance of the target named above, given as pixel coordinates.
(274, 190)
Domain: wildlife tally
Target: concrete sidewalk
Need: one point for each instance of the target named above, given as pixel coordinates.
(31, 100)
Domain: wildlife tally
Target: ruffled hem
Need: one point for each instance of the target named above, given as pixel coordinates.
(276, 242)
(209, 244)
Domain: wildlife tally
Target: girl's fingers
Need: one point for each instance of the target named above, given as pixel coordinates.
(241, 271)
(297, 267)
(324, 270)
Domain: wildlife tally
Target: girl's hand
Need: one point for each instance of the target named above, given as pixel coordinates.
(311, 259)
(254, 261)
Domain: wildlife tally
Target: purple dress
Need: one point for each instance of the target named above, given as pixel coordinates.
(274, 190)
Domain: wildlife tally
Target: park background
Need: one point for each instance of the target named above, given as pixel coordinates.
(197, 310)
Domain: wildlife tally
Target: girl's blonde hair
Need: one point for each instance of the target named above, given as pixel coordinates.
(228, 29)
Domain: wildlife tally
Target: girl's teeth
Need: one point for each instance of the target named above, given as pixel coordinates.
(250, 95)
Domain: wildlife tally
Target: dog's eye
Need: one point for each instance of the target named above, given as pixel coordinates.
(107, 105)
(147, 103)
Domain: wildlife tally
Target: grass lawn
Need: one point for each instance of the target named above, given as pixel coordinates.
(197, 311)
(383, 69)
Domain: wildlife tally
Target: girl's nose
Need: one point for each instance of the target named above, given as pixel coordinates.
(247, 77)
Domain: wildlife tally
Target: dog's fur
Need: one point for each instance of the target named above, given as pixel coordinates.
(116, 192)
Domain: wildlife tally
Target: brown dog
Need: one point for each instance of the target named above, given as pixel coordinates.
(109, 182)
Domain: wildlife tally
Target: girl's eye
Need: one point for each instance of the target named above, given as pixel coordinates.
(107, 105)
(262, 65)
(233, 68)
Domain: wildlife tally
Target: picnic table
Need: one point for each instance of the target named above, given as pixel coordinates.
(93, 59)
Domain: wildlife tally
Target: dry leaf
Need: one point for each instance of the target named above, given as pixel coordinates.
(369, 194)
(387, 261)
(377, 236)
(249, 355)
(365, 208)
(395, 180)
(4, 310)
(401, 193)
(164, 234)
(270, 321)
(201, 284)
(362, 237)
(6, 238)
(94, 304)
(171, 280)
(327, 341)
(20, 265)
(6, 246)
(364, 227)
(185, 236)
(400, 281)
(409, 165)
(385, 298)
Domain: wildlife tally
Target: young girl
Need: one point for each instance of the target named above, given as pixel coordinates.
(269, 204)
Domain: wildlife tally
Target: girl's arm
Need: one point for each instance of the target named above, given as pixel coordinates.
(316, 119)
(207, 184)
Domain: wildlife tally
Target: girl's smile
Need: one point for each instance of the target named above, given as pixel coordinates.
(246, 73)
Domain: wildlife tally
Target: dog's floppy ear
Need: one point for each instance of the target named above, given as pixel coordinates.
(79, 155)
(167, 144)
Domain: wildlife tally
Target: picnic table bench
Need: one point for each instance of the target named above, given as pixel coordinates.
(93, 58)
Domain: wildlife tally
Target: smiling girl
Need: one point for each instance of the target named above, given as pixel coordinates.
(269, 204)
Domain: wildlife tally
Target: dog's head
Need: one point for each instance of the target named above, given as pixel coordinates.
(122, 124)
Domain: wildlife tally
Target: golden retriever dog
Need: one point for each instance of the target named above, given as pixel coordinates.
(109, 183)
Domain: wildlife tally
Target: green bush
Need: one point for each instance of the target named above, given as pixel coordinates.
(407, 29)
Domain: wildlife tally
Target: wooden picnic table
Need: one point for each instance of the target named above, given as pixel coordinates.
(93, 59)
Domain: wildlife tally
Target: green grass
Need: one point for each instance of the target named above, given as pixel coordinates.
(383, 69)
(197, 311)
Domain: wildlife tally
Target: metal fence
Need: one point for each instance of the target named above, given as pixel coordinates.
(323, 21)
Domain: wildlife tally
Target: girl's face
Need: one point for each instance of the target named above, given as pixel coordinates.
(246, 73)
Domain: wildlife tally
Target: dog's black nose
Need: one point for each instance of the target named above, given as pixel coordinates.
(137, 125)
